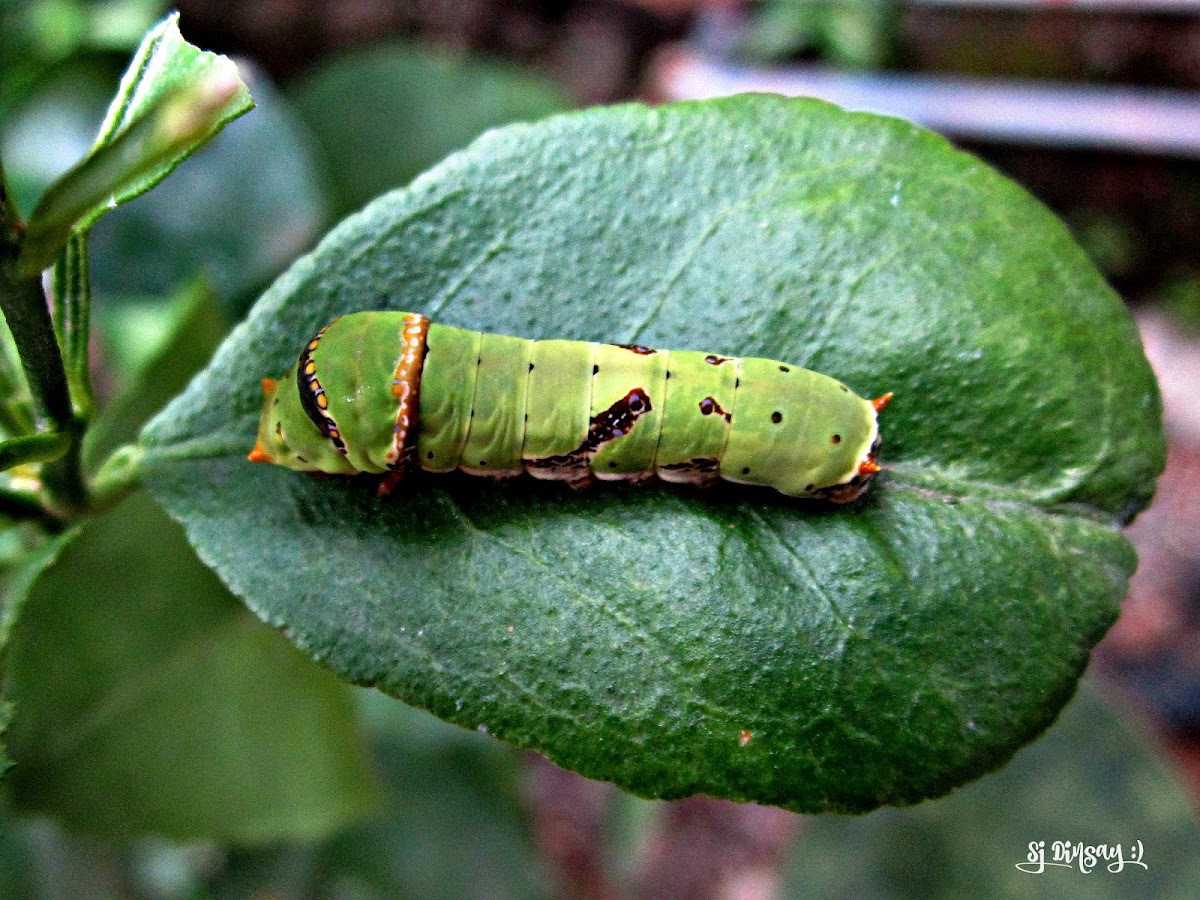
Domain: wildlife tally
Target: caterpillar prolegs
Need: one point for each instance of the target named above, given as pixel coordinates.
(389, 392)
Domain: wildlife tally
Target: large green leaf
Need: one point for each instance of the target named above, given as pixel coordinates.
(149, 701)
(451, 825)
(24, 556)
(731, 642)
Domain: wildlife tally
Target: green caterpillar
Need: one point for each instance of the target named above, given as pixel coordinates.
(388, 392)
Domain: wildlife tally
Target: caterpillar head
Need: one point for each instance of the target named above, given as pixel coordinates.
(288, 435)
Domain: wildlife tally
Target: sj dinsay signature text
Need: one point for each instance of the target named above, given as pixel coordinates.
(1081, 856)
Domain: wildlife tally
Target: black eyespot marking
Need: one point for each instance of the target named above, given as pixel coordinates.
(784, 369)
(531, 367)
(612, 465)
(737, 383)
(668, 373)
(777, 417)
(809, 487)
(429, 455)
(483, 462)
(746, 471)
(595, 370)
(301, 458)
(836, 439)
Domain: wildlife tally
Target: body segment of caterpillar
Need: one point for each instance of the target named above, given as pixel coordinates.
(389, 392)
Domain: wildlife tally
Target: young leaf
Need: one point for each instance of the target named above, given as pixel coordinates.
(72, 319)
(32, 448)
(172, 99)
(236, 214)
(731, 643)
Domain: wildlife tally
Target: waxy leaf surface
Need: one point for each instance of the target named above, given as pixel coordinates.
(729, 642)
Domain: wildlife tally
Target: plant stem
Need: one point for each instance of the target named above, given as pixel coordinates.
(24, 506)
(65, 490)
(28, 316)
(24, 305)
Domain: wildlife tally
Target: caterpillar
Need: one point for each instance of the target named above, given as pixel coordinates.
(390, 392)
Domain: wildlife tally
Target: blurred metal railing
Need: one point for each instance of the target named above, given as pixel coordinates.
(1142, 120)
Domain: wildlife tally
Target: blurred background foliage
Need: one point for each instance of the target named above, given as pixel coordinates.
(398, 127)
(168, 745)
(855, 34)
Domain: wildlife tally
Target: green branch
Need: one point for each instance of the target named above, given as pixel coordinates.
(28, 316)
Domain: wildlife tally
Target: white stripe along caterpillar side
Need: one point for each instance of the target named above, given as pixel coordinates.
(390, 392)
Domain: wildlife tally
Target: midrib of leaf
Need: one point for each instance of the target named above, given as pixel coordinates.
(932, 482)
(128, 89)
(923, 479)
